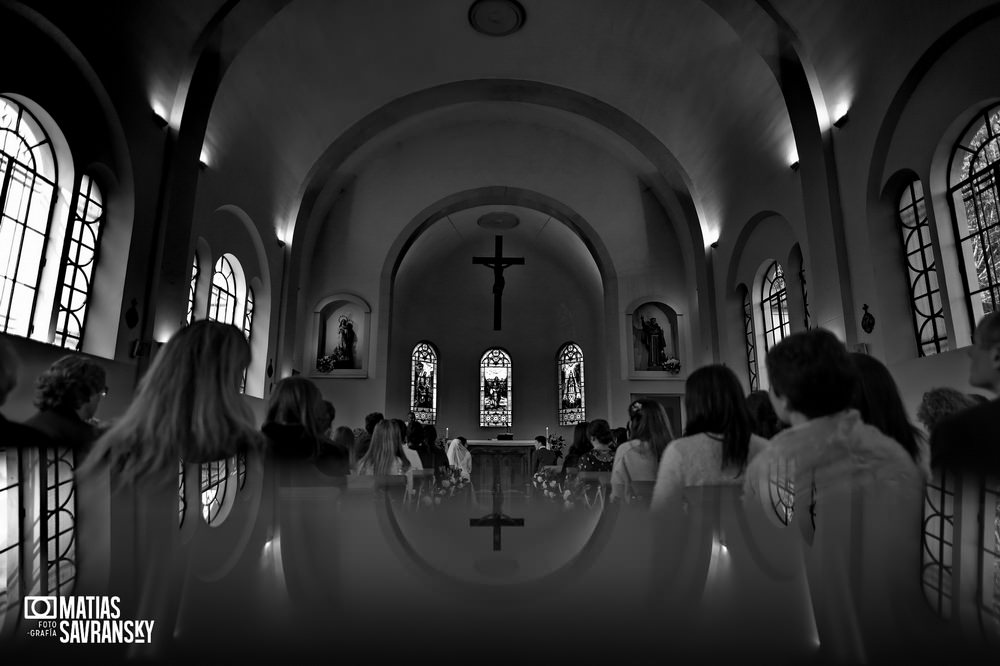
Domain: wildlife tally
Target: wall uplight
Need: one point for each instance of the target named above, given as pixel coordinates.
(840, 117)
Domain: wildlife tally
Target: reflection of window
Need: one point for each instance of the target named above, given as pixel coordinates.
(81, 256)
(774, 305)
(423, 383)
(223, 300)
(247, 331)
(781, 490)
(572, 405)
(938, 542)
(192, 290)
(975, 197)
(495, 389)
(925, 294)
(214, 489)
(27, 197)
(181, 500)
(989, 578)
(751, 341)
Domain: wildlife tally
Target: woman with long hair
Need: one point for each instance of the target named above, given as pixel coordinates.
(717, 442)
(581, 445)
(601, 456)
(877, 398)
(187, 407)
(295, 425)
(385, 455)
(637, 460)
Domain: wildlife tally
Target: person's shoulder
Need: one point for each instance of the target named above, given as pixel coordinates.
(20, 435)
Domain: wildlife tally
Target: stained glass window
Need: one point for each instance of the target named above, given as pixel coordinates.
(81, 256)
(925, 294)
(423, 383)
(27, 197)
(495, 389)
(193, 288)
(572, 405)
(938, 542)
(774, 305)
(223, 300)
(973, 185)
(751, 341)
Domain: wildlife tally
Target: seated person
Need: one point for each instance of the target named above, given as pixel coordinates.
(385, 456)
(363, 440)
(544, 456)
(601, 457)
(67, 396)
(13, 434)
(459, 456)
(637, 460)
(941, 402)
(579, 446)
(294, 425)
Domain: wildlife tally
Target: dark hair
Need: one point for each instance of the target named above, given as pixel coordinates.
(940, 403)
(430, 435)
(813, 371)
(580, 442)
(297, 401)
(620, 435)
(876, 396)
(763, 421)
(541, 440)
(649, 423)
(400, 426)
(414, 434)
(463, 441)
(987, 333)
(371, 420)
(69, 383)
(326, 416)
(715, 404)
(600, 430)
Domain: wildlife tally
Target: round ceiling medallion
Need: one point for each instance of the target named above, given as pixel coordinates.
(498, 220)
(496, 18)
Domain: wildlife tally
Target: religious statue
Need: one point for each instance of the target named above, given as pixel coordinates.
(348, 341)
(654, 341)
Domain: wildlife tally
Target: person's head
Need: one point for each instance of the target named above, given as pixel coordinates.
(8, 370)
(430, 435)
(620, 435)
(811, 375)
(72, 384)
(371, 420)
(386, 447)
(715, 404)
(461, 441)
(984, 354)
(876, 397)
(649, 423)
(343, 437)
(326, 418)
(414, 434)
(187, 406)
(541, 442)
(599, 432)
(297, 401)
(763, 421)
(580, 442)
(411, 418)
(400, 426)
(940, 403)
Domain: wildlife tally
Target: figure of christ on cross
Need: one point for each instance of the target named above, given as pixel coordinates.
(498, 519)
(498, 262)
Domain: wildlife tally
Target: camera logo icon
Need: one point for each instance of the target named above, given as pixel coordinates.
(41, 608)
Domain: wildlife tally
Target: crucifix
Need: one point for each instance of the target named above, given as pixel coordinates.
(498, 519)
(498, 262)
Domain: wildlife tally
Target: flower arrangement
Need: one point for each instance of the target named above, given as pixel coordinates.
(557, 443)
(336, 359)
(672, 365)
(448, 482)
(554, 487)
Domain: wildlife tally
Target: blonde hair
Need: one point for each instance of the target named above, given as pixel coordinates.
(386, 447)
(187, 406)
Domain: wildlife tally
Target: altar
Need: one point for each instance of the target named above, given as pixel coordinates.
(508, 463)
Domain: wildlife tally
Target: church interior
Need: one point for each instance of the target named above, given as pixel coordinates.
(505, 217)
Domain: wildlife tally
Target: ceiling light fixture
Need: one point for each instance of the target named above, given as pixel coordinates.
(496, 18)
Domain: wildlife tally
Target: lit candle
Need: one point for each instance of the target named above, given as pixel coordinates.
(546, 433)
(446, 433)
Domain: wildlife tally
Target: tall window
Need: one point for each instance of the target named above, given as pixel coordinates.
(989, 575)
(193, 288)
(495, 389)
(572, 406)
(215, 498)
(751, 341)
(223, 300)
(247, 331)
(774, 305)
(423, 382)
(925, 294)
(81, 256)
(27, 197)
(973, 185)
(938, 542)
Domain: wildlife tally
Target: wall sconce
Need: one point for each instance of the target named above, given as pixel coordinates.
(840, 117)
(160, 121)
(794, 165)
(841, 121)
(868, 320)
(714, 245)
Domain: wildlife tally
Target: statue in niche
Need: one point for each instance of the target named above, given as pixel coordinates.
(348, 343)
(654, 339)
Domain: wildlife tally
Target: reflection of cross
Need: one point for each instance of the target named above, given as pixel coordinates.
(497, 262)
(497, 520)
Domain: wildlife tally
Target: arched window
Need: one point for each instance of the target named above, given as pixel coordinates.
(495, 390)
(572, 405)
(193, 288)
(215, 498)
(82, 242)
(925, 294)
(975, 195)
(774, 305)
(423, 382)
(938, 542)
(781, 489)
(247, 331)
(750, 340)
(989, 600)
(223, 301)
(27, 197)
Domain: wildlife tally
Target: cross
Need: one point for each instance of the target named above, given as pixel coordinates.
(498, 262)
(497, 520)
